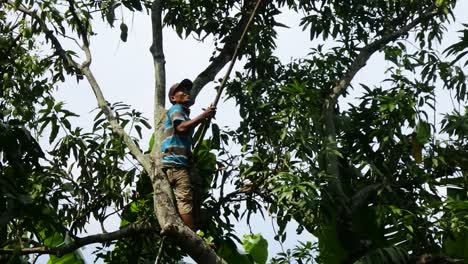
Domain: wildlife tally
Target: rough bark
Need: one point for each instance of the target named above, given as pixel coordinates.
(164, 205)
(159, 62)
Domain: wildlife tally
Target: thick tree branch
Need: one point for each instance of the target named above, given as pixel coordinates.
(159, 61)
(370, 49)
(330, 102)
(168, 218)
(337, 196)
(164, 205)
(195, 246)
(172, 225)
(132, 229)
(102, 103)
(116, 127)
(84, 69)
(226, 53)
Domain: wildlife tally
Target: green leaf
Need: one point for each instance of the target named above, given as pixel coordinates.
(138, 129)
(228, 251)
(215, 141)
(52, 238)
(151, 143)
(145, 123)
(423, 131)
(54, 132)
(257, 247)
(70, 258)
(110, 14)
(18, 3)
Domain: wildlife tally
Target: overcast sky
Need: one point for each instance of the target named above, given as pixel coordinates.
(125, 73)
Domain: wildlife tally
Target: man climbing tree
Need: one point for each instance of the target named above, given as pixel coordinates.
(176, 150)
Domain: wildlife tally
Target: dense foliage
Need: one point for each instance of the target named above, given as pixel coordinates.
(379, 180)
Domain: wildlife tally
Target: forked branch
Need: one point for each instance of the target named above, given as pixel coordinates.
(366, 52)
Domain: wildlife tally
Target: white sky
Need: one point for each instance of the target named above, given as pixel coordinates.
(125, 73)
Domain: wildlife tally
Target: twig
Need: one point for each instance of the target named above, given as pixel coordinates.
(159, 256)
(276, 234)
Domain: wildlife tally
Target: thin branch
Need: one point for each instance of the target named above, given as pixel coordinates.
(276, 235)
(22, 241)
(370, 49)
(161, 246)
(126, 231)
(69, 63)
(328, 109)
(135, 166)
(71, 38)
(116, 128)
(233, 196)
(87, 61)
(84, 69)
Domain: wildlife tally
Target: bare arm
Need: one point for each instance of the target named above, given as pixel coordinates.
(185, 126)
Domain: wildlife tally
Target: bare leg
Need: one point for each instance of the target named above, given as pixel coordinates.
(188, 220)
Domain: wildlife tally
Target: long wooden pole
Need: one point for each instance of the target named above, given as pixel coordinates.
(206, 124)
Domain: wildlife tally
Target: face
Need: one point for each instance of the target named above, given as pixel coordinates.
(182, 97)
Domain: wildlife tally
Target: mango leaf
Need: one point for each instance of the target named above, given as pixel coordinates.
(151, 143)
(215, 141)
(53, 238)
(456, 244)
(54, 132)
(228, 251)
(423, 131)
(257, 247)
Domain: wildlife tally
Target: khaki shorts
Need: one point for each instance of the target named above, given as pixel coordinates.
(182, 183)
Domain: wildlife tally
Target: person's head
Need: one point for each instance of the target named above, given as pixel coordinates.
(179, 93)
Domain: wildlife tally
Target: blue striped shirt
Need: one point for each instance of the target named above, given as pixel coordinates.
(176, 148)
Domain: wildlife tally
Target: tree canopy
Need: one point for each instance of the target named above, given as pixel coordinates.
(382, 179)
